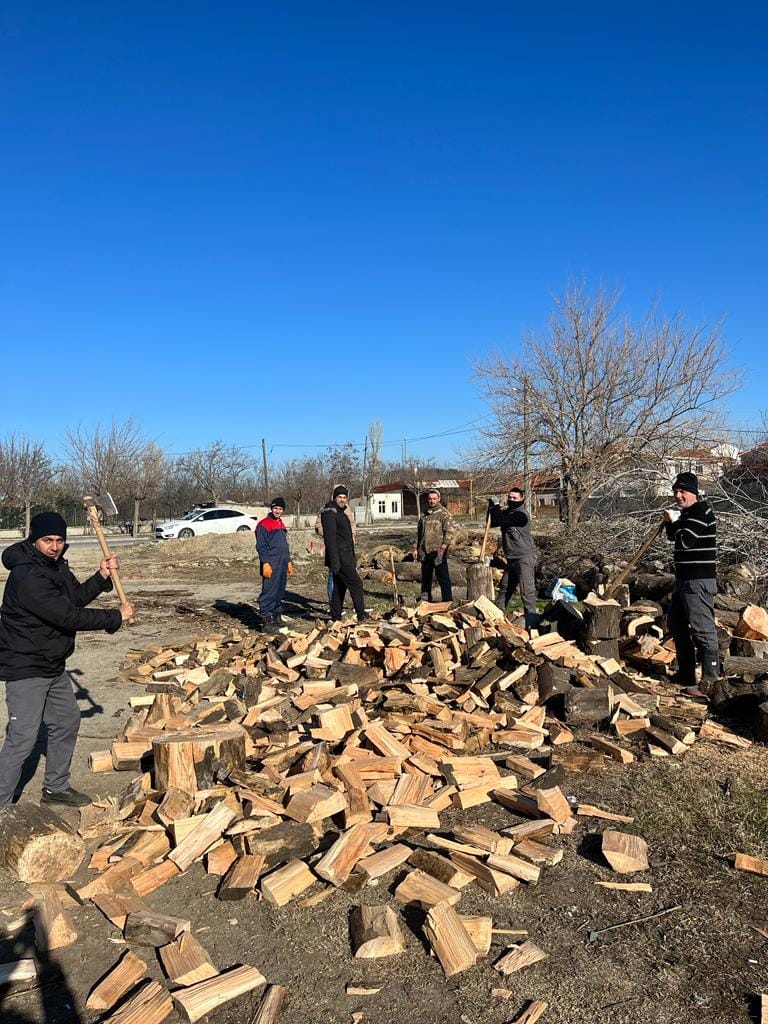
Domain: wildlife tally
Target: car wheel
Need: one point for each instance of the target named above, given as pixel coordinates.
(185, 534)
(243, 529)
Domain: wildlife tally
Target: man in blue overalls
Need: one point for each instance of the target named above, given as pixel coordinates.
(276, 565)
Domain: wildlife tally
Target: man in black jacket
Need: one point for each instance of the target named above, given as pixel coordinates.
(43, 609)
(520, 551)
(340, 555)
(691, 615)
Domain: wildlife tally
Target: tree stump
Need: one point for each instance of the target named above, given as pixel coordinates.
(480, 582)
(36, 845)
(190, 760)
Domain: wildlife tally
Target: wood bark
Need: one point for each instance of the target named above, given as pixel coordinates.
(36, 845)
(480, 582)
(191, 760)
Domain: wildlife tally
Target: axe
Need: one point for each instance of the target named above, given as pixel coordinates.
(110, 509)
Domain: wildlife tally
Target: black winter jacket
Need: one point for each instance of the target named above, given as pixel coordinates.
(43, 608)
(337, 534)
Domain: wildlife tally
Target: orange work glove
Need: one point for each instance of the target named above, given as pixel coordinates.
(266, 570)
(290, 568)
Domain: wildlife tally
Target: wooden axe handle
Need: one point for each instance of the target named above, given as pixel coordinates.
(611, 589)
(93, 515)
(485, 536)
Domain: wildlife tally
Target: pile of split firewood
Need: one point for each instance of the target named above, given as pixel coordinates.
(325, 759)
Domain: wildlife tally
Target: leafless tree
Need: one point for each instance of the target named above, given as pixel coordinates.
(142, 480)
(599, 396)
(218, 470)
(107, 458)
(25, 471)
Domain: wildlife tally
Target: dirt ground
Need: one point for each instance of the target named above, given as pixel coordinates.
(704, 961)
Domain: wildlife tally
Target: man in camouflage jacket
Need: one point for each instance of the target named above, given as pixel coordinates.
(435, 533)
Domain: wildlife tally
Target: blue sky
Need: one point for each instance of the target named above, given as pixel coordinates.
(282, 220)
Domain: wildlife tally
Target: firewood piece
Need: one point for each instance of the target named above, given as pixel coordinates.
(680, 731)
(748, 668)
(115, 877)
(202, 836)
(242, 877)
(626, 886)
(586, 707)
(491, 880)
(340, 860)
(753, 623)
(176, 804)
(530, 829)
(590, 811)
(484, 838)
(36, 845)
(17, 970)
(468, 772)
(271, 1005)
(756, 865)
(219, 860)
(552, 803)
(384, 861)
(53, 925)
(385, 743)
(120, 979)
(117, 906)
(440, 867)
(146, 928)
(721, 734)
(128, 756)
(198, 1000)
(665, 740)
(518, 957)
(147, 881)
(424, 890)
(280, 886)
(602, 621)
(625, 852)
(412, 816)
(514, 866)
(525, 769)
(449, 939)
(480, 930)
(375, 932)
(613, 750)
(151, 1005)
(189, 760)
(100, 761)
(316, 803)
(186, 961)
(533, 1012)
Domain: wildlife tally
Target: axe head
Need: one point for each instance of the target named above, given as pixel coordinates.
(103, 501)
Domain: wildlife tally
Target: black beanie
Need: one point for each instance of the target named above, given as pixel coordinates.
(278, 501)
(686, 482)
(341, 489)
(47, 524)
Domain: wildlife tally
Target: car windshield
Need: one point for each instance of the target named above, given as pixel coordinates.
(193, 514)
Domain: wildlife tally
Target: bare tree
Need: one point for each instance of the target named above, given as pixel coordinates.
(142, 480)
(605, 396)
(218, 469)
(106, 458)
(25, 472)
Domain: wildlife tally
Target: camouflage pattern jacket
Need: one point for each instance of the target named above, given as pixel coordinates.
(436, 529)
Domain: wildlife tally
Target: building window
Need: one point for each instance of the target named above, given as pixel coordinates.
(382, 507)
(395, 507)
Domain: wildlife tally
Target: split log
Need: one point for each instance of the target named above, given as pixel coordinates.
(425, 891)
(587, 706)
(748, 669)
(53, 925)
(203, 835)
(146, 928)
(36, 845)
(351, 846)
(514, 866)
(755, 865)
(151, 1005)
(533, 1012)
(271, 1005)
(625, 852)
(449, 939)
(753, 624)
(518, 957)
(280, 886)
(120, 979)
(242, 877)
(375, 932)
(186, 961)
(199, 1000)
(191, 760)
(17, 970)
(480, 582)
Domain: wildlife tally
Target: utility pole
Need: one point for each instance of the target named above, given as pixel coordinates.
(405, 453)
(365, 481)
(266, 474)
(526, 452)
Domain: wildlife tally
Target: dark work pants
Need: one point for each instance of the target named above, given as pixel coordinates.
(347, 579)
(273, 592)
(519, 572)
(428, 569)
(30, 702)
(691, 621)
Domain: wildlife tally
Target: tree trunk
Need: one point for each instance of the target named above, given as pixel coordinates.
(136, 505)
(27, 516)
(36, 845)
(480, 582)
(190, 760)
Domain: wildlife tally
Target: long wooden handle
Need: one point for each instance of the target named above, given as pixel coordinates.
(611, 589)
(485, 536)
(394, 578)
(93, 515)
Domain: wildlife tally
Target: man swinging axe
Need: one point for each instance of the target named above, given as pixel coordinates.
(43, 609)
(520, 551)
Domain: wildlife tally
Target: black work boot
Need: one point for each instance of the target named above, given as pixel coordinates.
(68, 797)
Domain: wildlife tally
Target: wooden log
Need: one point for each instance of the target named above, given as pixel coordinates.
(533, 1012)
(271, 1005)
(146, 928)
(514, 866)
(279, 887)
(519, 957)
(538, 853)
(36, 845)
(384, 861)
(198, 1000)
(602, 620)
(242, 877)
(120, 979)
(440, 868)
(151, 1005)
(665, 740)
(338, 863)
(587, 706)
(753, 623)
(748, 669)
(412, 816)
(375, 932)
(53, 925)
(186, 961)
(314, 804)
(552, 803)
(755, 865)
(480, 930)
(152, 878)
(100, 761)
(203, 835)
(625, 852)
(425, 891)
(190, 760)
(612, 750)
(449, 939)
(480, 582)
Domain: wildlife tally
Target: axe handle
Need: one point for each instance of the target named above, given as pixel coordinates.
(94, 517)
(485, 536)
(611, 589)
(394, 578)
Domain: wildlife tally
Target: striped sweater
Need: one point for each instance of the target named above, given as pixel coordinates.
(695, 542)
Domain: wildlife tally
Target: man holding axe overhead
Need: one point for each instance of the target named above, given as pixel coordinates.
(44, 607)
(691, 615)
(434, 535)
(520, 550)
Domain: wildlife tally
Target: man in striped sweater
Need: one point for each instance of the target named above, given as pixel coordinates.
(691, 616)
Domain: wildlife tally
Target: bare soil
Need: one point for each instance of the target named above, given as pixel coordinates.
(703, 962)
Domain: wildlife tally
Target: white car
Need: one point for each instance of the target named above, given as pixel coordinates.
(205, 520)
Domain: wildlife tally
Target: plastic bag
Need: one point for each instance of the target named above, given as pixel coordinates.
(562, 589)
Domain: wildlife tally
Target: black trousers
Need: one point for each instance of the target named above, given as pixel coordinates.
(347, 579)
(428, 569)
(691, 621)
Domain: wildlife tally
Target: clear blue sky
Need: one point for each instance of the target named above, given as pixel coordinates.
(251, 219)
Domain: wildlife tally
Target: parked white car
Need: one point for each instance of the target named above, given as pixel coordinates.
(205, 520)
